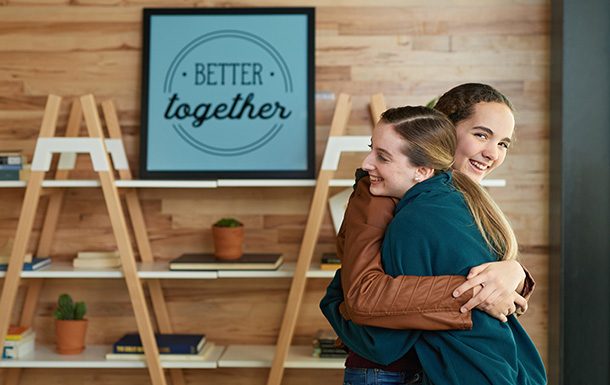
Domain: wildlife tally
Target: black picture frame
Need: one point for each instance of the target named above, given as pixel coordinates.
(165, 115)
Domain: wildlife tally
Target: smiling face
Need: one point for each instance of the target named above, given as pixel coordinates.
(483, 139)
(390, 170)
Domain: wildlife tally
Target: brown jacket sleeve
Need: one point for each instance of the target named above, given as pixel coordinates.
(374, 298)
(528, 288)
(529, 285)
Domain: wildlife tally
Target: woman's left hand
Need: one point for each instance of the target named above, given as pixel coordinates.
(498, 282)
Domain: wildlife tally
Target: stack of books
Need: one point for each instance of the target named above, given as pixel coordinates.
(19, 342)
(97, 259)
(34, 263)
(330, 261)
(172, 347)
(325, 346)
(13, 166)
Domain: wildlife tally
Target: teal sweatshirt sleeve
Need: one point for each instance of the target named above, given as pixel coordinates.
(379, 345)
(436, 234)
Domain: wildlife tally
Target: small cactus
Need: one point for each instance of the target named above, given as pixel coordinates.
(68, 310)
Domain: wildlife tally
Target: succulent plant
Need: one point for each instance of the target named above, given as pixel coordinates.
(68, 310)
(228, 222)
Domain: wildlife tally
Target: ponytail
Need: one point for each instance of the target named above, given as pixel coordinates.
(490, 220)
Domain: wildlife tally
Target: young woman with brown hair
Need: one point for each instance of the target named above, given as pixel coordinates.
(487, 218)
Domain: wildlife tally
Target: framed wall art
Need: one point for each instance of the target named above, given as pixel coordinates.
(228, 93)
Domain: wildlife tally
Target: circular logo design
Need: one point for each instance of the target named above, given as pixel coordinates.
(227, 91)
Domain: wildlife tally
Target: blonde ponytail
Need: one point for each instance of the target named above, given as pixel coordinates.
(490, 220)
(431, 141)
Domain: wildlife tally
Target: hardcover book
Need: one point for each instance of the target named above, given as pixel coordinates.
(97, 254)
(17, 333)
(96, 263)
(201, 356)
(37, 263)
(207, 261)
(167, 343)
(330, 261)
(20, 348)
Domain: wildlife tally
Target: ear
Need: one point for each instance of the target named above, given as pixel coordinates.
(423, 173)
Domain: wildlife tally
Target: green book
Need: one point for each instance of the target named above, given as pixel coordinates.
(9, 174)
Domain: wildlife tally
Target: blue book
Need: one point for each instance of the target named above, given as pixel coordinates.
(167, 343)
(37, 263)
(11, 166)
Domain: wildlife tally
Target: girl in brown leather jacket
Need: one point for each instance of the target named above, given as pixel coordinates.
(484, 123)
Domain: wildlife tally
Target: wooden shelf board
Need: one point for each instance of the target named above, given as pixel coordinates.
(66, 270)
(167, 183)
(284, 271)
(206, 183)
(315, 272)
(266, 182)
(260, 356)
(156, 270)
(45, 357)
(159, 270)
(94, 356)
(12, 183)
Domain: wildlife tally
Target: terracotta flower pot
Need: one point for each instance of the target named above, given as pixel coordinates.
(228, 242)
(70, 336)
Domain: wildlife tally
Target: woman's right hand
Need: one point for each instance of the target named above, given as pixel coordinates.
(495, 284)
(501, 307)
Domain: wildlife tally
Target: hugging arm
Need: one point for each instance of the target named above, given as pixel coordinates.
(404, 302)
(383, 346)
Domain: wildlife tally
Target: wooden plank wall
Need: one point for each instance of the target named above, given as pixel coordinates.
(411, 50)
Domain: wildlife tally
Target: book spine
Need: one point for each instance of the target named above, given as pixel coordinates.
(174, 349)
(8, 352)
(28, 266)
(11, 159)
(17, 349)
(10, 166)
(9, 174)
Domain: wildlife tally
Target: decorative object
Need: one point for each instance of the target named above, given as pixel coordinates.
(228, 236)
(228, 93)
(337, 204)
(70, 325)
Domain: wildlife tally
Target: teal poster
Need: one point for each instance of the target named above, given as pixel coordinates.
(228, 93)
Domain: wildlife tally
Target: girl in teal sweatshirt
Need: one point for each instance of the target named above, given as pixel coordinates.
(444, 224)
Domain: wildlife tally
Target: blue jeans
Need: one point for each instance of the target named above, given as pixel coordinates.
(362, 376)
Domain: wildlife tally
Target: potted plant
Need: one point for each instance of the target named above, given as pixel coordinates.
(70, 325)
(228, 235)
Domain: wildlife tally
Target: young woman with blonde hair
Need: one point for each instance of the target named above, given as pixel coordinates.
(444, 225)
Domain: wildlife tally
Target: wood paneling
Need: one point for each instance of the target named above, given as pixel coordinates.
(411, 50)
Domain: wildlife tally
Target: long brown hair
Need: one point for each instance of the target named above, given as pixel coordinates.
(430, 141)
(458, 103)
